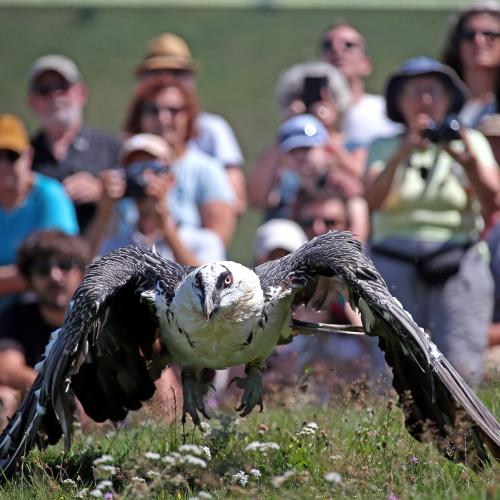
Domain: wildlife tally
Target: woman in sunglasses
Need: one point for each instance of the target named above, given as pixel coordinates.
(202, 195)
(473, 51)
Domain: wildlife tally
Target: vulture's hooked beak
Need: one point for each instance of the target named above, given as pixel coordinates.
(210, 305)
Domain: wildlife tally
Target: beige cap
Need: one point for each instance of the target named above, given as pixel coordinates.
(13, 135)
(57, 63)
(152, 144)
(167, 51)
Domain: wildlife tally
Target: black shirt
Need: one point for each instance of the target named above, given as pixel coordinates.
(23, 328)
(92, 151)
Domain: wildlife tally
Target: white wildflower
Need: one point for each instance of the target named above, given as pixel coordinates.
(96, 493)
(191, 448)
(333, 477)
(312, 425)
(241, 478)
(111, 469)
(205, 427)
(69, 481)
(206, 451)
(102, 460)
(263, 447)
(138, 479)
(82, 493)
(169, 460)
(277, 481)
(192, 460)
(152, 455)
(335, 457)
(204, 494)
(104, 484)
(152, 473)
(255, 473)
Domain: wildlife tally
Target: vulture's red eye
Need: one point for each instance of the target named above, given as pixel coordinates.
(228, 281)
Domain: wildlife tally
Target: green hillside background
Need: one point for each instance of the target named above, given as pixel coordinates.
(241, 53)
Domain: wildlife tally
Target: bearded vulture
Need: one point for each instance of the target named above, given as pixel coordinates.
(136, 313)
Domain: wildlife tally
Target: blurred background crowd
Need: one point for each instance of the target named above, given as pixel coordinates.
(412, 172)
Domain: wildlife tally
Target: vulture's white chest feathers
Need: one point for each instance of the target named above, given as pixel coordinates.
(238, 331)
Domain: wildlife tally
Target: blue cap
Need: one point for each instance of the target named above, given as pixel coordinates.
(302, 131)
(421, 66)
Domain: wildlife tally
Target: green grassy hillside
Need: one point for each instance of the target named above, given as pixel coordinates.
(241, 53)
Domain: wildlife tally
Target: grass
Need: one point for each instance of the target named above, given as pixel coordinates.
(352, 447)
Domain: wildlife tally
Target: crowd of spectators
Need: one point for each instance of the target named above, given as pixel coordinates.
(412, 173)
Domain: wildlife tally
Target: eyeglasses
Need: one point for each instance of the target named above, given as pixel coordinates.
(344, 45)
(46, 89)
(8, 156)
(44, 267)
(150, 108)
(417, 92)
(470, 35)
(328, 223)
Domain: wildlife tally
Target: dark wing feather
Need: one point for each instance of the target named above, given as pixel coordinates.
(100, 353)
(436, 400)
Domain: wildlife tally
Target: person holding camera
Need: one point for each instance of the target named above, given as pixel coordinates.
(136, 196)
(427, 189)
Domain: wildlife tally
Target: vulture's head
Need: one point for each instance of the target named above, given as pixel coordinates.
(225, 290)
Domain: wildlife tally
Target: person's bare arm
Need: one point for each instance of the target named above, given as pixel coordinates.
(83, 187)
(220, 217)
(14, 372)
(359, 217)
(113, 188)
(264, 177)
(483, 178)
(238, 183)
(11, 280)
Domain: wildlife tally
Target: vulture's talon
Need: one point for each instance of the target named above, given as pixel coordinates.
(252, 394)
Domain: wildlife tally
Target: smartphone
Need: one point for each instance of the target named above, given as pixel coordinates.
(312, 89)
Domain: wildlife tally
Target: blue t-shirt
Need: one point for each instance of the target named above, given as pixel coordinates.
(199, 179)
(46, 207)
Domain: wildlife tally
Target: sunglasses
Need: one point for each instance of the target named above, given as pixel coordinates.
(417, 92)
(150, 108)
(329, 223)
(44, 267)
(470, 35)
(8, 156)
(46, 89)
(344, 45)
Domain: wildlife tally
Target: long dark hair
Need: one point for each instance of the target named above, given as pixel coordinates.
(451, 52)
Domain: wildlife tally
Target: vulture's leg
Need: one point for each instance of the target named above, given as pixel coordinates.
(193, 391)
(252, 385)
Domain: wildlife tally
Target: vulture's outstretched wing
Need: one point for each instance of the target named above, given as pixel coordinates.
(101, 353)
(436, 401)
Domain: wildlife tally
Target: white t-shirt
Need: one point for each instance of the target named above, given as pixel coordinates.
(217, 139)
(367, 120)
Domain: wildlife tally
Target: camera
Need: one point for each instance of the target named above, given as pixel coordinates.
(444, 132)
(134, 175)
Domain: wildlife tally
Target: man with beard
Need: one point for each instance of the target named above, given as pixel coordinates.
(66, 148)
(53, 263)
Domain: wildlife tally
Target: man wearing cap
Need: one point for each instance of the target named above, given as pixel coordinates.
(427, 189)
(170, 54)
(28, 202)
(65, 148)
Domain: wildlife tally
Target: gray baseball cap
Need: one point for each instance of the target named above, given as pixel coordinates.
(57, 63)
